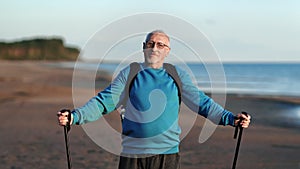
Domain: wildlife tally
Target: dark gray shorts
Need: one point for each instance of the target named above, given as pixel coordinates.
(161, 161)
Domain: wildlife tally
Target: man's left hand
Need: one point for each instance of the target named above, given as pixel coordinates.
(242, 120)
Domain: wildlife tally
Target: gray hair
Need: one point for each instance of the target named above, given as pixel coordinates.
(156, 32)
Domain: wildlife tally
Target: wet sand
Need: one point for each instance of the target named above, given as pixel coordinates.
(32, 92)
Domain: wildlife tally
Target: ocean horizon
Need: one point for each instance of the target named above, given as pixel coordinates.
(271, 79)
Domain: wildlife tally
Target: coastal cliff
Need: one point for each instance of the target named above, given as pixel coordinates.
(38, 49)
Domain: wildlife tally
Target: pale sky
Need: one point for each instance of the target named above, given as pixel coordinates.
(240, 30)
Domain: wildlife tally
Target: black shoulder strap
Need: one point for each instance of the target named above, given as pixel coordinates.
(174, 74)
(134, 70)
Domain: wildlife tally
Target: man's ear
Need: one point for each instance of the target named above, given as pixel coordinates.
(168, 52)
(144, 45)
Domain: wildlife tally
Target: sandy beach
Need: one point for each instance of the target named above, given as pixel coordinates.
(32, 92)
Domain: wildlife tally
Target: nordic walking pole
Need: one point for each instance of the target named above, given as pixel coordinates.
(67, 128)
(238, 127)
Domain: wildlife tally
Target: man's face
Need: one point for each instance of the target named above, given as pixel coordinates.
(156, 49)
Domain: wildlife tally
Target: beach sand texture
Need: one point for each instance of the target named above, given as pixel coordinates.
(32, 92)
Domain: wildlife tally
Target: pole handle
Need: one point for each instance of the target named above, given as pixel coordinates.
(237, 128)
(67, 126)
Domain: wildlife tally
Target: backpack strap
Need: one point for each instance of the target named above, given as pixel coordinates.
(174, 74)
(134, 70)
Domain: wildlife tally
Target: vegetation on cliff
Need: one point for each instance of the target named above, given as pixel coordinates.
(38, 49)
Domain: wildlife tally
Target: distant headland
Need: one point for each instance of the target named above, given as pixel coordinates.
(38, 49)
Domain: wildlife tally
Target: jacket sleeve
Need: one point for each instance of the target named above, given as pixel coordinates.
(202, 104)
(103, 103)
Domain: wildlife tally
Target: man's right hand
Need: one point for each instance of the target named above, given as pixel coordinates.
(63, 117)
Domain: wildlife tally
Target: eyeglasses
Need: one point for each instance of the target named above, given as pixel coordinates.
(159, 45)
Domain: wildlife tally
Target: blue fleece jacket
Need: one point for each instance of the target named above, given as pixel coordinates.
(150, 124)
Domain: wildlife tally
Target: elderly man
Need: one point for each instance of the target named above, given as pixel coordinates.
(150, 129)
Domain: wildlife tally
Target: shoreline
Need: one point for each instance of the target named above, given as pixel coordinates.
(276, 97)
(31, 94)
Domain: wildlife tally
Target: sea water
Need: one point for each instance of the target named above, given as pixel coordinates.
(278, 79)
